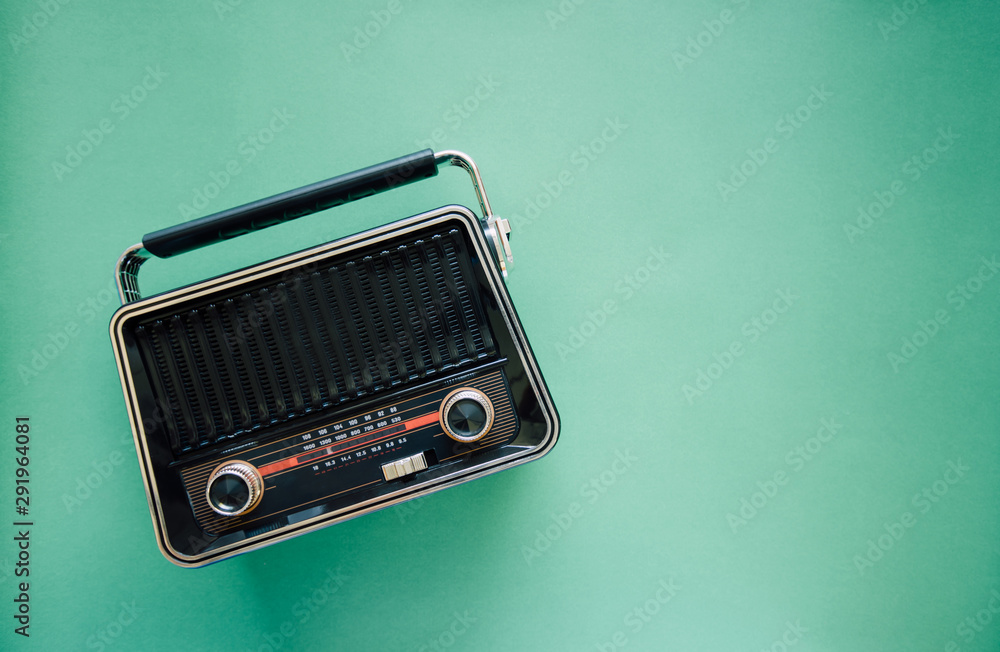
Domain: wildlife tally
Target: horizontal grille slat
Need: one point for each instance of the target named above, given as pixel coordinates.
(314, 339)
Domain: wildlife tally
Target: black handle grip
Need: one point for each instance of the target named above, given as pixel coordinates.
(289, 205)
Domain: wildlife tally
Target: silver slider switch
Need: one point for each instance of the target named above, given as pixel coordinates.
(404, 467)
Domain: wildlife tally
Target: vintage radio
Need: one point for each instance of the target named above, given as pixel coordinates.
(322, 385)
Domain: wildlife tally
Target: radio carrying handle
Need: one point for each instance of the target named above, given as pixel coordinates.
(306, 200)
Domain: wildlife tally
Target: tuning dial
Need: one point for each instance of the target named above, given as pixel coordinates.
(234, 488)
(466, 415)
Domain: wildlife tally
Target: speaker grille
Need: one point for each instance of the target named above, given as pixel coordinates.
(313, 339)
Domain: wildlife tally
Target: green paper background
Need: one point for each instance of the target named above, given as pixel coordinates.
(697, 88)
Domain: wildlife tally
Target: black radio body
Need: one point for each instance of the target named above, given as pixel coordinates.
(322, 385)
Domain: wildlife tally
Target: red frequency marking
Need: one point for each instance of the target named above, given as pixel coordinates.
(341, 446)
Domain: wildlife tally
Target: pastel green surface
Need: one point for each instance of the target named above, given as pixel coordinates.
(780, 416)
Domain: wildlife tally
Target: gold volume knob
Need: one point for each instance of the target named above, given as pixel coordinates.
(466, 414)
(234, 488)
